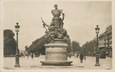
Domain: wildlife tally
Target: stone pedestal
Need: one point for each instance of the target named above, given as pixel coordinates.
(56, 54)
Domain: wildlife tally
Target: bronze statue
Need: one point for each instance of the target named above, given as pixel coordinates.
(55, 44)
(55, 30)
(57, 20)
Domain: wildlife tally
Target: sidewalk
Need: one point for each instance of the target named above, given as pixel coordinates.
(29, 63)
(89, 63)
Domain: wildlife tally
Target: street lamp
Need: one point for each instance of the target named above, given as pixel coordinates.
(17, 50)
(97, 49)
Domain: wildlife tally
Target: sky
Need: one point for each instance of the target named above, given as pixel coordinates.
(81, 18)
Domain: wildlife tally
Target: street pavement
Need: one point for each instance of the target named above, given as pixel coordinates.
(27, 63)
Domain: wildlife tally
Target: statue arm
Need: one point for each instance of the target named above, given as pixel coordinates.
(63, 15)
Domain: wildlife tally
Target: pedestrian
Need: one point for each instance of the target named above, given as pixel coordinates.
(81, 58)
(32, 55)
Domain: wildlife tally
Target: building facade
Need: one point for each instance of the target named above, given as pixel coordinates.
(108, 40)
(105, 43)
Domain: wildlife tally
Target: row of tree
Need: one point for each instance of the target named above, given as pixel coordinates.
(37, 47)
(90, 48)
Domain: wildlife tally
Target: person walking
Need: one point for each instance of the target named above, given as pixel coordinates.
(81, 58)
(32, 55)
(82, 55)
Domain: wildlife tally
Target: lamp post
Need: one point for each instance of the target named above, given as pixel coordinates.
(17, 50)
(97, 49)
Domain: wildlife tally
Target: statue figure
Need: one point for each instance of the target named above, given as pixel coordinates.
(56, 12)
(57, 20)
(55, 30)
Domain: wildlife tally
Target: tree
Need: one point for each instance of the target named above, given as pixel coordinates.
(75, 47)
(37, 47)
(9, 43)
(90, 47)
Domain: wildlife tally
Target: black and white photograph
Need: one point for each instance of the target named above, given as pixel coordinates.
(44, 35)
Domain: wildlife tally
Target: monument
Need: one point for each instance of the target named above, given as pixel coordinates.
(58, 45)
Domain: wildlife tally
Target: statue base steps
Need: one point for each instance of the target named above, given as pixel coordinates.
(56, 54)
(56, 63)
